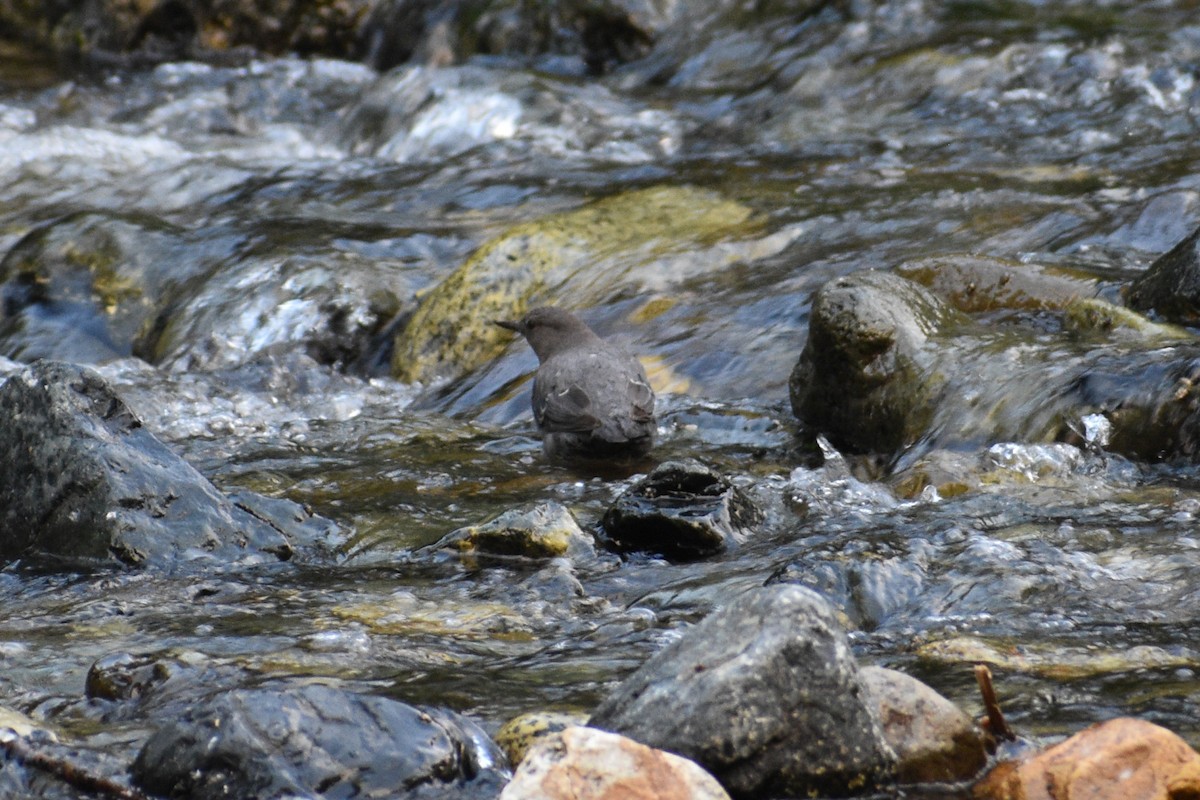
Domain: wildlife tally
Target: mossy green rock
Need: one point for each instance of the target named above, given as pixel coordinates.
(547, 530)
(579, 254)
(522, 732)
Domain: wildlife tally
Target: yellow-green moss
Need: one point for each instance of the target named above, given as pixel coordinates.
(452, 331)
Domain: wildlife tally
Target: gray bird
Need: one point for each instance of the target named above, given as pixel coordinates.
(591, 399)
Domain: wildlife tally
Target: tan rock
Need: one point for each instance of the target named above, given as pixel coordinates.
(588, 764)
(934, 739)
(1122, 759)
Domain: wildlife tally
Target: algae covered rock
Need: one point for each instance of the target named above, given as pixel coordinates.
(574, 257)
(546, 530)
(976, 283)
(522, 732)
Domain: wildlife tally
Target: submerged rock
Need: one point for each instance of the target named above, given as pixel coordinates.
(588, 250)
(546, 530)
(81, 478)
(682, 509)
(1115, 760)
(587, 764)
(934, 740)
(310, 740)
(1170, 287)
(600, 34)
(975, 283)
(85, 287)
(765, 694)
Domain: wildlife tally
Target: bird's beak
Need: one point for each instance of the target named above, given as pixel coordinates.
(504, 323)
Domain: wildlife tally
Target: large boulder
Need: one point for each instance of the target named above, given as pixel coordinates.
(888, 365)
(765, 694)
(867, 374)
(81, 478)
(317, 740)
(577, 257)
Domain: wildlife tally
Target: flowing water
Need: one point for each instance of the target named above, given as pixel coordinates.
(292, 210)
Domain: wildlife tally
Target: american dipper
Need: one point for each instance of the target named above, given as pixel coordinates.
(591, 399)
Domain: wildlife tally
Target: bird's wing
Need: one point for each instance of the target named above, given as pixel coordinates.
(641, 396)
(564, 406)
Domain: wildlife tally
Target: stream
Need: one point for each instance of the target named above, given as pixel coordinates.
(281, 218)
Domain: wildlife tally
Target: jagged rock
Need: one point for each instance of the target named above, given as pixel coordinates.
(1170, 286)
(765, 694)
(683, 509)
(81, 478)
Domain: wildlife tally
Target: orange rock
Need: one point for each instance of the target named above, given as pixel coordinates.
(1122, 759)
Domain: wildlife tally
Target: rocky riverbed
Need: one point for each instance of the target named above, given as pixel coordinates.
(888, 264)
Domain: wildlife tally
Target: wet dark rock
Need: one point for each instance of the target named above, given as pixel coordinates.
(318, 740)
(888, 365)
(596, 35)
(160, 685)
(683, 509)
(866, 374)
(1170, 287)
(934, 740)
(765, 694)
(124, 676)
(81, 478)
